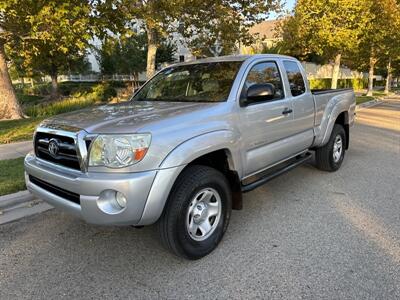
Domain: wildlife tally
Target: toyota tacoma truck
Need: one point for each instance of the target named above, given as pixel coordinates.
(182, 151)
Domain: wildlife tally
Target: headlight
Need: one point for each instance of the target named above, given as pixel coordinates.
(118, 151)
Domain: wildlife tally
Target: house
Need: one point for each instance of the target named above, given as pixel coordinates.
(266, 36)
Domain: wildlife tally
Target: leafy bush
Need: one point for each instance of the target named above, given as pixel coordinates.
(101, 92)
(104, 92)
(379, 82)
(320, 84)
(28, 99)
(325, 83)
(39, 89)
(118, 84)
(55, 108)
(70, 88)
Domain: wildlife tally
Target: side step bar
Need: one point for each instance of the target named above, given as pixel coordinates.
(251, 186)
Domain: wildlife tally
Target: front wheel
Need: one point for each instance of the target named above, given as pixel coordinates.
(330, 157)
(197, 212)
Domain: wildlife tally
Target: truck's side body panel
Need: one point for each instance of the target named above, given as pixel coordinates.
(328, 107)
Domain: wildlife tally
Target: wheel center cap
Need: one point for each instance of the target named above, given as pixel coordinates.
(199, 213)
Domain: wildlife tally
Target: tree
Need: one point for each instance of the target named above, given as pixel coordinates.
(127, 55)
(12, 25)
(201, 23)
(327, 30)
(47, 36)
(379, 38)
(58, 37)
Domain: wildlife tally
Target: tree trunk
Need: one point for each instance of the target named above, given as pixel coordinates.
(9, 107)
(372, 62)
(151, 52)
(54, 82)
(336, 70)
(389, 76)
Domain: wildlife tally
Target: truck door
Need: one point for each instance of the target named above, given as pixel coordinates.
(265, 126)
(302, 103)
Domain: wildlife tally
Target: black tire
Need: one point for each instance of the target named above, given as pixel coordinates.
(172, 227)
(324, 156)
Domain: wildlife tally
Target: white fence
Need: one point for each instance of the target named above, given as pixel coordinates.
(97, 77)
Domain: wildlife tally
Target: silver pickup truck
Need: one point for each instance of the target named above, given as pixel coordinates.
(188, 144)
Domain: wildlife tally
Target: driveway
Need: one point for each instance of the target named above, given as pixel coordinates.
(307, 234)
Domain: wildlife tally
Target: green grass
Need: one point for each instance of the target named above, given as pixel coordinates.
(59, 107)
(12, 176)
(378, 93)
(38, 108)
(362, 99)
(18, 130)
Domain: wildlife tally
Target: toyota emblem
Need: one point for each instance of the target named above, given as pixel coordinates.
(53, 147)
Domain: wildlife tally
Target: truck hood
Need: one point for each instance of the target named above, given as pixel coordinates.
(125, 117)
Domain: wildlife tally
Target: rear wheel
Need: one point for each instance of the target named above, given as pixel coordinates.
(330, 157)
(197, 212)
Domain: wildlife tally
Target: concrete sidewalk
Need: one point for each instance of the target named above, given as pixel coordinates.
(15, 150)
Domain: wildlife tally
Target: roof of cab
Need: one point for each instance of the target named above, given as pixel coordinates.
(228, 58)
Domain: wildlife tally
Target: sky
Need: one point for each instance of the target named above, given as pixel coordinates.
(289, 5)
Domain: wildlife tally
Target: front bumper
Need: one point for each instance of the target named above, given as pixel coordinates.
(145, 200)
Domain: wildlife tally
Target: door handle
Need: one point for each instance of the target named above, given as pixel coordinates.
(287, 111)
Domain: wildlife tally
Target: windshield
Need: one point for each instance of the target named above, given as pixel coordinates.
(203, 82)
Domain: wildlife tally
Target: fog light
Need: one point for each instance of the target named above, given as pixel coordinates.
(121, 199)
(111, 202)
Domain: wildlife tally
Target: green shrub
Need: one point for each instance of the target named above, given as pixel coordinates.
(86, 97)
(118, 84)
(73, 88)
(379, 82)
(39, 89)
(62, 106)
(325, 83)
(104, 92)
(320, 84)
(28, 99)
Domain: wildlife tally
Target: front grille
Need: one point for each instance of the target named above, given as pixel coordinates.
(55, 190)
(66, 154)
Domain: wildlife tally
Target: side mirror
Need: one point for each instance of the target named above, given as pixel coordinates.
(259, 93)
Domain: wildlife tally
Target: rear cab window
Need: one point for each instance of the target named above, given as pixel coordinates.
(296, 81)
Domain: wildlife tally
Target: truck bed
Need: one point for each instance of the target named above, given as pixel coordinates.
(328, 91)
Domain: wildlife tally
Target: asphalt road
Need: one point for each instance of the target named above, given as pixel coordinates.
(307, 234)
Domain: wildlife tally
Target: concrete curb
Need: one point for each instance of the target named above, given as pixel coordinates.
(368, 104)
(15, 199)
(23, 210)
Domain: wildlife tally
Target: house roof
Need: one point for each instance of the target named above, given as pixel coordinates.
(265, 30)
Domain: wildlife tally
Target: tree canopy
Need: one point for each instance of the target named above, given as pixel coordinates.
(202, 24)
(360, 33)
(43, 36)
(127, 55)
(327, 30)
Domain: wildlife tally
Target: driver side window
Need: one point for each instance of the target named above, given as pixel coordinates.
(265, 72)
